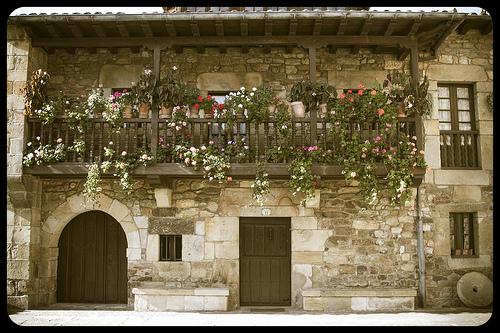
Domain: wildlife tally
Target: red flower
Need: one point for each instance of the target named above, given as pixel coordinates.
(360, 92)
(196, 106)
(341, 96)
(209, 97)
(380, 112)
(221, 106)
(200, 99)
(349, 91)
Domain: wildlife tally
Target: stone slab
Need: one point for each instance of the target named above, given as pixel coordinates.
(171, 225)
(211, 291)
(461, 177)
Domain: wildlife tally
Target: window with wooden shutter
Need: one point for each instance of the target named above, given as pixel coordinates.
(458, 135)
(463, 233)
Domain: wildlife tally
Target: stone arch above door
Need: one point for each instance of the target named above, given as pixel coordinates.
(75, 205)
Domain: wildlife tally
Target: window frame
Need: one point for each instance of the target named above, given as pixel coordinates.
(170, 242)
(452, 88)
(457, 218)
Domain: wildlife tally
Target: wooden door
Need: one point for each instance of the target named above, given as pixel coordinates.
(265, 261)
(92, 262)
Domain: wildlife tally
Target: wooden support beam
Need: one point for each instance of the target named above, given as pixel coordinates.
(219, 28)
(452, 25)
(154, 106)
(146, 28)
(312, 64)
(267, 49)
(268, 28)
(195, 29)
(345, 40)
(293, 27)
(244, 28)
(317, 27)
(170, 29)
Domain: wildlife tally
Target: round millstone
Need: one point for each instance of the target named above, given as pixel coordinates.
(475, 290)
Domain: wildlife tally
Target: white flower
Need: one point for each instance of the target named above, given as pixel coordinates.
(353, 174)
(193, 163)
(192, 149)
(254, 89)
(174, 68)
(187, 160)
(59, 140)
(124, 153)
(29, 144)
(184, 123)
(144, 157)
(251, 94)
(38, 138)
(203, 148)
(30, 156)
(242, 88)
(240, 106)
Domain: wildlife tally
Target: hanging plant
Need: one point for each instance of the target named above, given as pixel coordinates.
(260, 185)
(92, 188)
(35, 95)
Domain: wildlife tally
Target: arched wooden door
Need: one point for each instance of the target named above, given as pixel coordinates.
(92, 262)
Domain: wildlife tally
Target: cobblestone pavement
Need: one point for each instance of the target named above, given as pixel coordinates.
(114, 317)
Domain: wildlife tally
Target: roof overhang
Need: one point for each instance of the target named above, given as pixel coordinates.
(387, 32)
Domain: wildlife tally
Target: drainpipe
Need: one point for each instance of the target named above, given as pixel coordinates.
(420, 251)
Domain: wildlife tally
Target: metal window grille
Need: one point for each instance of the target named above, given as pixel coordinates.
(170, 247)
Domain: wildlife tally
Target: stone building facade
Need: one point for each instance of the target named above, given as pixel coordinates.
(344, 256)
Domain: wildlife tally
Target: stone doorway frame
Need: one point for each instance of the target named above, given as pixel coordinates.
(55, 223)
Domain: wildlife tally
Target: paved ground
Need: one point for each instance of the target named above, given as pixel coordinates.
(119, 316)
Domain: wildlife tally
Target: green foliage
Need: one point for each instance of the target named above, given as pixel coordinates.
(312, 94)
(35, 95)
(260, 186)
(145, 89)
(92, 188)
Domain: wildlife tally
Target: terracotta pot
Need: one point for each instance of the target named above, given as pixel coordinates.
(194, 114)
(165, 112)
(201, 113)
(298, 109)
(144, 110)
(127, 112)
(272, 108)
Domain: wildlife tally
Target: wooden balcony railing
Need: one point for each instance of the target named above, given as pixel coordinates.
(459, 149)
(138, 134)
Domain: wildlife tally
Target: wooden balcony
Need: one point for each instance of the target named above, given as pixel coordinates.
(138, 134)
(459, 149)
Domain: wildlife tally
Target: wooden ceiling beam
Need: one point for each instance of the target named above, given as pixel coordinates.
(171, 29)
(293, 27)
(342, 25)
(52, 31)
(219, 28)
(195, 29)
(268, 28)
(317, 27)
(122, 29)
(75, 30)
(98, 30)
(365, 28)
(244, 28)
(146, 28)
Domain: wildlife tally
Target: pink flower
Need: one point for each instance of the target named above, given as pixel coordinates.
(360, 86)
(360, 92)
(229, 178)
(373, 92)
(341, 96)
(351, 99)
(200, 99)
(380, 112)
(349, 91)
(196, 106)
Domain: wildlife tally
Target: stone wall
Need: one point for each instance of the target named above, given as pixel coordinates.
(336, 245)
(461, 59)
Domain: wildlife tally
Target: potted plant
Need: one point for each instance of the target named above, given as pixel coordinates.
(126, 100)
(300, 95)
(145, 90)
(97, 103)
(323, 93)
